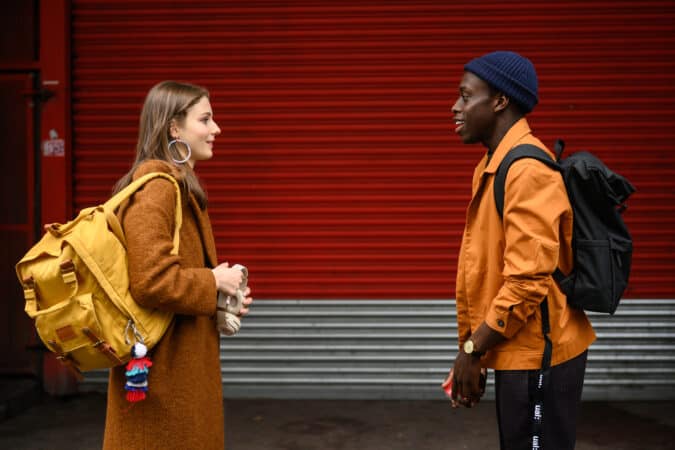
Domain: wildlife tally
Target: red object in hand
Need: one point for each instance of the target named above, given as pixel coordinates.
(447, 385)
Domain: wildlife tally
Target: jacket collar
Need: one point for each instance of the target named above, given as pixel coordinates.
(202, 218)
(516, 133)
(156, 165)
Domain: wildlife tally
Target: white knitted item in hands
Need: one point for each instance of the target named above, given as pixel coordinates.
(229, 306)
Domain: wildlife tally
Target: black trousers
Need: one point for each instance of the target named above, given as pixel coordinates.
(514, 391)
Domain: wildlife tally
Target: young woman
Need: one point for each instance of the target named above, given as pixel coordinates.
(184, 406)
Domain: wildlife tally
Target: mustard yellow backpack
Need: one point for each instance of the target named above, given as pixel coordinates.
(76, 285)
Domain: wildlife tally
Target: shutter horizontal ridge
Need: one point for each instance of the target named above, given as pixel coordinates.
(396, 349)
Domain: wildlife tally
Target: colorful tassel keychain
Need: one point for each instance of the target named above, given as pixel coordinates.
(137, 373)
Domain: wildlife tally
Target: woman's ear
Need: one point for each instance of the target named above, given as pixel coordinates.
(173, 129)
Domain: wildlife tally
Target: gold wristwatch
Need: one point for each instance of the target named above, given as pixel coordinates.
(469, 349)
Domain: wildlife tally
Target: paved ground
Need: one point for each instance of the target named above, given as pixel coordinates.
(77, 423)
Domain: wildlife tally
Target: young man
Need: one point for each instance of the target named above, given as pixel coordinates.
(505, 266)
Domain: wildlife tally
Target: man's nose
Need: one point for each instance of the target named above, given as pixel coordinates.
(455, 108)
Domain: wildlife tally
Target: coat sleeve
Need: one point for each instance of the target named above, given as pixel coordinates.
(534, 202)
(157, 279)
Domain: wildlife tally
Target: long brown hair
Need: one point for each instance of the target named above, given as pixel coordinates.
(166, 102)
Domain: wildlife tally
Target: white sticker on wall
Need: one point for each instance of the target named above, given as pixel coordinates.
(53, 147)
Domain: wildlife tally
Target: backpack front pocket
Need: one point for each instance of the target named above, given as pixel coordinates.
(72, 331)
(592, 285)
(601, 274)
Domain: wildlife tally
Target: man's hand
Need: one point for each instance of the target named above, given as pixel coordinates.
(449, 383)
(468, 378)
(467, 389)
(448, 387)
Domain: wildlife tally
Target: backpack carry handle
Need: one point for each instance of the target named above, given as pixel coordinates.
(111, 206)
(59, 229)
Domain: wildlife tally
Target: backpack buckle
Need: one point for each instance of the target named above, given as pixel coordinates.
(67, 360)
(28, 288)
(102, 346)
(68, 271)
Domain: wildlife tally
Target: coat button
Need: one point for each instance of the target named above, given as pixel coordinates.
(500, 322)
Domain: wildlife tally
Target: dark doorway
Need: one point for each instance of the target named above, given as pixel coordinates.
(18, 114)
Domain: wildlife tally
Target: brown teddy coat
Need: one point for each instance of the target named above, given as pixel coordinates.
(184, 404)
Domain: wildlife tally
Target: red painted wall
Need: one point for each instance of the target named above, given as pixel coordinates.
(55, 149)
(337, 174)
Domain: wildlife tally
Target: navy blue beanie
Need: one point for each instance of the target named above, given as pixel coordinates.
(509, 73)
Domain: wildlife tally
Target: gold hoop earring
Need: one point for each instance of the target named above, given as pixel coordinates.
(187, 158)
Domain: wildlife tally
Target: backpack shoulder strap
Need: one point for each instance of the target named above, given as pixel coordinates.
(116, 200)
(519, 152)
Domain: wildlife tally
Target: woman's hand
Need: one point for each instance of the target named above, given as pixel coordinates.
(228, 279)
(247, 301)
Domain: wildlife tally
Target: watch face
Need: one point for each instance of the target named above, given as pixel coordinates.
(468, 347)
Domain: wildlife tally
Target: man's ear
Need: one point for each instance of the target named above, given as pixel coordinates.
(501, 102)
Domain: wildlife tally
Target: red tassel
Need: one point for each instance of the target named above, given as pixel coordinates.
(137, 373)
(139, 363)
(135, 396)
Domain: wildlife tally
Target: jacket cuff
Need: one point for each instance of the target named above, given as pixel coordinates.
(207, 304)
(503, 321)
(213, 297)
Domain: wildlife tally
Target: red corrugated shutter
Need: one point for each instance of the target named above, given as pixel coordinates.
(337, 174)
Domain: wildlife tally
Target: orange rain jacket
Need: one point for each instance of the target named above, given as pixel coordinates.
(505, 267)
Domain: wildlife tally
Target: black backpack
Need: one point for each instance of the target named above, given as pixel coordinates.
(601, 244)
